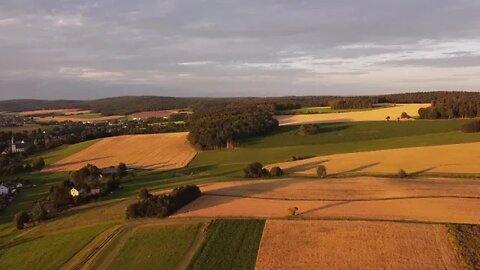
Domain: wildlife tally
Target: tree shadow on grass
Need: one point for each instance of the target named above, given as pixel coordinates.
(357, 169)
(305, 166)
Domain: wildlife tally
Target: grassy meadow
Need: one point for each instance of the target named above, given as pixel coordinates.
(230, 244)
(155, 247)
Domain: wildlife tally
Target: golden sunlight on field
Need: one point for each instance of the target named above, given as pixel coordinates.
(369, 115)
(354, 245)
(156, 151)
(436, 200)
(452, 158)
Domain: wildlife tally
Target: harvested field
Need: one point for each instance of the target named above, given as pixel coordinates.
(368, 115)
(154, 114)
(430, 200)
(354, 245)
(453, 158)
(56, 111)
(155, 151)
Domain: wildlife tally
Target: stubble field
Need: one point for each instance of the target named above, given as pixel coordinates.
(453, 158)
(156, 151)
(354, 245)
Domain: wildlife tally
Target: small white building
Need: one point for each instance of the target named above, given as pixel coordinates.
(3, 190)
(74, 192)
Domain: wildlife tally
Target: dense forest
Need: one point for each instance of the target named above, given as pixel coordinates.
(467, 106)
(221, 126)
(131, 104)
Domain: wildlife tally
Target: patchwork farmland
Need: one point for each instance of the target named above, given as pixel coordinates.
(158, 152)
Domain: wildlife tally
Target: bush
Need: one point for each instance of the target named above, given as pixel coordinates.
(255, 170)
(21, 218)
(321, 171)
(144, 194)
(38, 164)
(292, 211)
(165, 204)
(122, 170)
(402, 173)
(471, 127)
(132, 211)
(276, 172)
(39, 213)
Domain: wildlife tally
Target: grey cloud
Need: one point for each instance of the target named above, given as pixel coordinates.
(147, 41)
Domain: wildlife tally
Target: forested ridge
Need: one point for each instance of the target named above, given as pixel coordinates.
(131, 104)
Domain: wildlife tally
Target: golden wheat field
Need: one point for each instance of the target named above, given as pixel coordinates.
(154, 151)
(369, 115)
(453, 158)
(433, 200)
(354, 245)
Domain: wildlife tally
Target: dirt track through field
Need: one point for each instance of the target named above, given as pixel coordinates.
(428, 200)
(452, 158)
(156, 151)
(369, 115)
(306, 245)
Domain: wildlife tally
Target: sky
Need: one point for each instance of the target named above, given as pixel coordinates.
(71, 49)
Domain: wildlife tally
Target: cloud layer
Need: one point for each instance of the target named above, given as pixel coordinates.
(87, 49)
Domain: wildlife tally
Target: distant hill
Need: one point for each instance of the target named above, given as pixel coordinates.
(131, 104)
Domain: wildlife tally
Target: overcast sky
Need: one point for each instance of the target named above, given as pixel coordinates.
(86, 49)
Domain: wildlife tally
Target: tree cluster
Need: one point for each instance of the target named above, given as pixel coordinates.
(353, 103)
(162, 205)
(219, 127)
(256, 170)
(465, 105)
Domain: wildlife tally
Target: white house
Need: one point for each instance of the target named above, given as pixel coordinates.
(74, 192)
(3, 190)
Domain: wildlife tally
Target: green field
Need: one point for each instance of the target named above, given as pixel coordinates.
(230, 244)
(47, 251)
(158, 247)
(282, 144)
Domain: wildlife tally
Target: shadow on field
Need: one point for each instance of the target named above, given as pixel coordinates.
(306, 166)
(357, 169)
(228, 194)
(417, 173)
(324, 207)
(53, 166)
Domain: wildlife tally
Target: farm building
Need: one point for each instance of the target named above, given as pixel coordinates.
(3, 190)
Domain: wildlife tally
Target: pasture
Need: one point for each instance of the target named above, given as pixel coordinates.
(452, 158)
(230, 244)
(153, 247)
(154, 151)
(364, 115)
(355, 245)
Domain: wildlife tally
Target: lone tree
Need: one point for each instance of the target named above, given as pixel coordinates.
(388, 118)
(402, 173)
(38, 164)
(276, 171)
(144, 194)
(255, 170)
(122, 170)
(405, 115)
(321, 171)
(21, 218)
(292, 211)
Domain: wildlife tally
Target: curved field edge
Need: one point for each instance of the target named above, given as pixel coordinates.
(230, 244)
